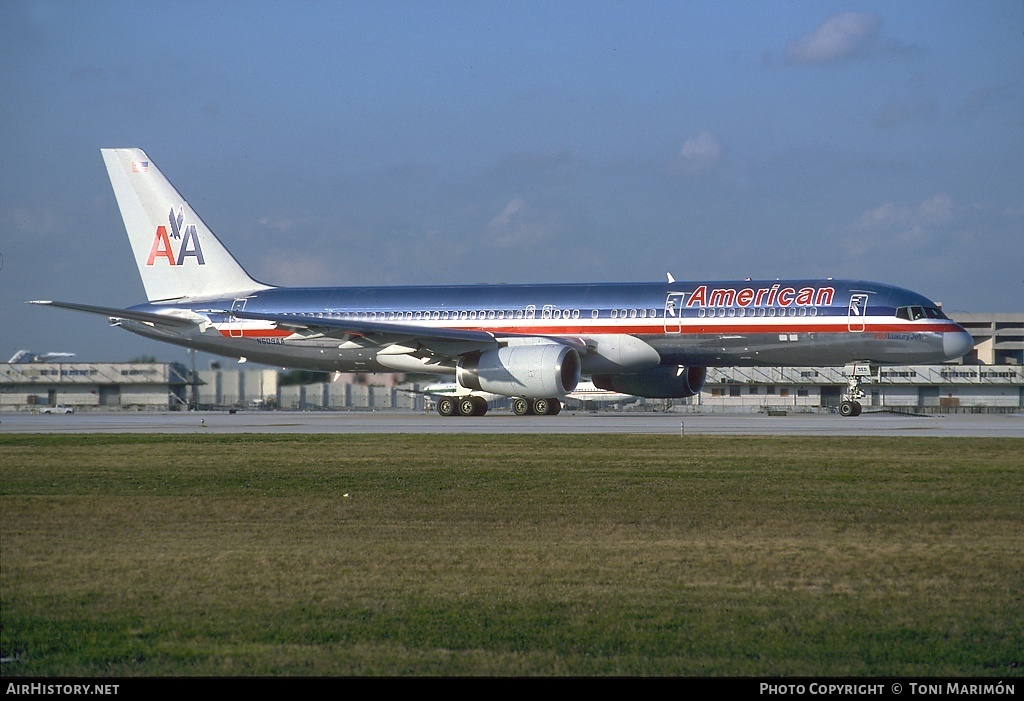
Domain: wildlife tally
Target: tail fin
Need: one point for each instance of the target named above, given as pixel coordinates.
(177, 254)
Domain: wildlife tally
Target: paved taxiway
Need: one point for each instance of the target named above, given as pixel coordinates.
(868, 424)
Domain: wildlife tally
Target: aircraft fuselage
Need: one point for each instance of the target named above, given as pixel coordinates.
(745, 323)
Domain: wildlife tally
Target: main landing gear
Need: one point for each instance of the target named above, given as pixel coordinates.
(477, 406)
(463, 406)
(537, 407)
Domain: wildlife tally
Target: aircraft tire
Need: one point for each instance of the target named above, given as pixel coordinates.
(540, 406)
(520, 406)
(554, 406)
(479, 406)
(467, 407)
(848, 408)
(446, 407)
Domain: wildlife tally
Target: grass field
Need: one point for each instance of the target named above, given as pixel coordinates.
(520, 555)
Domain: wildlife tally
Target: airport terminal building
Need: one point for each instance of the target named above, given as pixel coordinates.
(28, 386)
(989, 378)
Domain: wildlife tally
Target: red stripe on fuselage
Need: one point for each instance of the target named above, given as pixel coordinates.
(255, 333)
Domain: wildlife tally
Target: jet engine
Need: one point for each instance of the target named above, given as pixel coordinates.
(531, 371)
(662, 382)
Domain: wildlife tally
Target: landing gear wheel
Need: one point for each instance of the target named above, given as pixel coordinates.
(554, 406)
(520, 407)
(467, 407)
(848, 408)
(479, 406)
(540, 406)
(446, 406)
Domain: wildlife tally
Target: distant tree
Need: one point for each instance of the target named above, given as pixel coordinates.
(144, 359)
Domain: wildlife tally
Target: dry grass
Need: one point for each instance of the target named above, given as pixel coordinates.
(521, 555)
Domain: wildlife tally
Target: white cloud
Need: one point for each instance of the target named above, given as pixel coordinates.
(284, 225)
(512, 210)
(840, 36)
(937, 209)
(702, 151)
(293, 268)
(517, 225)
(1014, 211)
(38, 222)
(891, 223)
(907, 111)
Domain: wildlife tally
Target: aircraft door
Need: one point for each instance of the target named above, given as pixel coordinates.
(858, 310)
(235, 324)
(674, 312)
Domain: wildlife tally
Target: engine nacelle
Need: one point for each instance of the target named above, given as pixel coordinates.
(531, 371)
(663, 382)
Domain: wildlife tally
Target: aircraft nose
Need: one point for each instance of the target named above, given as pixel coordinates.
(956, 344)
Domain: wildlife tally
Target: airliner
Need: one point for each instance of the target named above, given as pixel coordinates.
(527, 342)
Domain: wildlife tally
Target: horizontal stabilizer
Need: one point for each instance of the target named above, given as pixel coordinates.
(116, 313)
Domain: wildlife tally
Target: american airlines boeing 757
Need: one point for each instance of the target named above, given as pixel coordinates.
(528, 342)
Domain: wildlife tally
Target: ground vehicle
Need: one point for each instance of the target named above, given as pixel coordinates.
(58, 409)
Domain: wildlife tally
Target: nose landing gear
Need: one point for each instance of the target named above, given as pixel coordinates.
(850, 404)
(849, 408)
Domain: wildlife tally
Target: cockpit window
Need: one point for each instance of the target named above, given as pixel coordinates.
(915, 313)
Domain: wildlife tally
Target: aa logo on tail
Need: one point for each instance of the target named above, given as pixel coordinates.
(187, 242)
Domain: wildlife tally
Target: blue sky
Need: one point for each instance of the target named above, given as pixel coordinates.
(450, 142)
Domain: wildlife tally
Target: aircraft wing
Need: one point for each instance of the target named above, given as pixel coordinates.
(439, 340)
(406, 347)
(385, 333)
